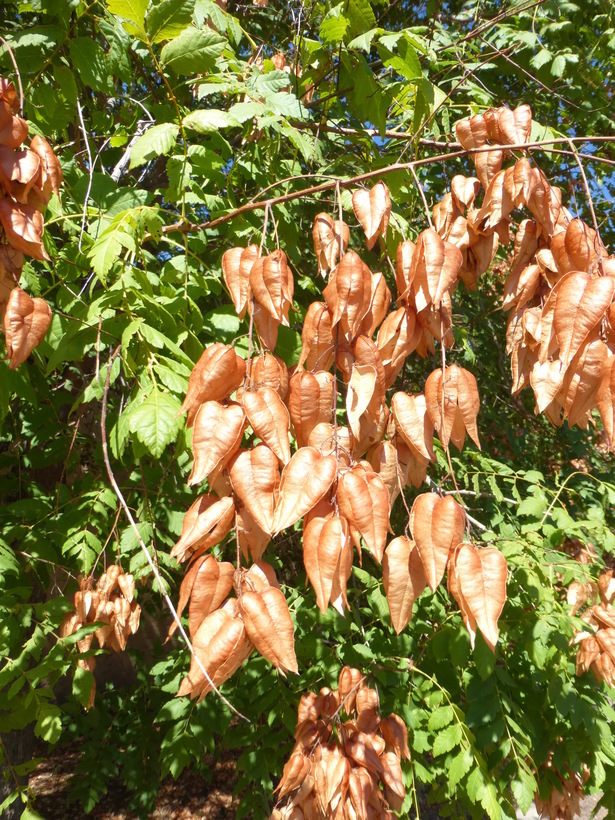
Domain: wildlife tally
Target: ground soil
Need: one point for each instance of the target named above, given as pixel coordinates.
(187, 798)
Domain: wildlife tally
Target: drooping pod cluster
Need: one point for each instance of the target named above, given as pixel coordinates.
(324, 444)
(596, 643)
(347, 758)
(28, 177)
(561, 287)
(111, 603)
(332, 443)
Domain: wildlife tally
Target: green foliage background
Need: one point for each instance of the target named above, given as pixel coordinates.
(211, 124)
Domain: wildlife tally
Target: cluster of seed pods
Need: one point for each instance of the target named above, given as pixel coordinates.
(28, 178)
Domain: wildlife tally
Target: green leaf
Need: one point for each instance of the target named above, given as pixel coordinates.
(447, 740)
(154, 422)
(48, 724)
(524, 788)
(193, 52)
(489, 801)
(440, 718)
(168, 18)
(533, 506)
(133, 10)
(30, 814)
(104, 254)
(558, 66)
(459, 766)
(157, 140)
(361, 16)
(333, 27)
(82, 685)
(204, 122)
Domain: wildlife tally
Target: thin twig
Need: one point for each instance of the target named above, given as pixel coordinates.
(590, 201)
(135, 529)
(189, 227)
(91, 171)
(422, 193)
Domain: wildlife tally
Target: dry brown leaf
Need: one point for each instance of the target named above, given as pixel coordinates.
(255, 478)
(364, 500)
(372, 209)
(404, 580)
(437, 525)
(25, 325)
(269, 419)
(205, 524)
(269, 627)
(305, 480)
(218, 431)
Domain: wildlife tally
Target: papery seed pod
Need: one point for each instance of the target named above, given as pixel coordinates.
(25, 325)
(437, 526)
(216, 375)
(305, 480)
(269, 419)
(372, 209)
(269, 627)
(255, 478)
(325, 535)
(310, 402)
(221, 646)
(236, 266)
(364, 500)
(413, 423)
(395, 733)
(23, 226)
(205, 524)
(349, 682)
(480, 578)
(268, 370)
(317, 350)
(272, 285)
(453, 404)
(348, 293)
(218, 431)
(206, 585)
(403, 577)
(330, 241)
